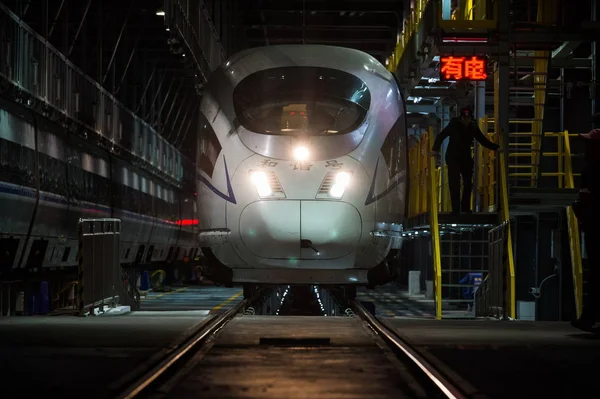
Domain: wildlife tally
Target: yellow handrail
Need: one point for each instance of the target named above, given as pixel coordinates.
(411, 26)
(435, 228)
(574, 242)
(505, 215)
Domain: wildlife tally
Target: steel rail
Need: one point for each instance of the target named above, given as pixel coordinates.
(211, 326)
(441, 382)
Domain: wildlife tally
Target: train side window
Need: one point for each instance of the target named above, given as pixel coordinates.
(209, 148)
(394, 148)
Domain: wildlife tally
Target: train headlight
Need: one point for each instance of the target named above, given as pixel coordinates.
(339, 187)
(261, 182)
(301, 154)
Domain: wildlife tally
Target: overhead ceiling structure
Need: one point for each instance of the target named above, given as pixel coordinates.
(126, 46)
(369, 26)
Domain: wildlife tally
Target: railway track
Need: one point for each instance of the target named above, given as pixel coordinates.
(235, 355)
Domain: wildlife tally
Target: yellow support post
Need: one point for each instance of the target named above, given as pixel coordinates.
(574, 242)
(505, 214)
(435, 227)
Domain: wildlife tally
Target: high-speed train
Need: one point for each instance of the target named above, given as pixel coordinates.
(302, 157)
(50, 177)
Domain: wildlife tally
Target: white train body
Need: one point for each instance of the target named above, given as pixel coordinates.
(302, 167)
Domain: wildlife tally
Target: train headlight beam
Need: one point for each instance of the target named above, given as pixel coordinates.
(261, 182)
(339, 187)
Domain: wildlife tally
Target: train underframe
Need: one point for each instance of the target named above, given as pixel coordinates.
(383, 273)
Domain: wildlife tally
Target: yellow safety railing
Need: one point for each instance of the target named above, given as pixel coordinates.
(469, 15)
(505, 217)
(418, 157)
(435, 227)
(411, 26)
(566, 179)
(484, 179)
(424, 199)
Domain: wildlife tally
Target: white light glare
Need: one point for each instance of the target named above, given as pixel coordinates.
(339, 187)
(261, 182)
(301, 153)
(160, 13)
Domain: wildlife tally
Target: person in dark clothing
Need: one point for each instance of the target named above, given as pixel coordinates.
(461, 131)
(587, 210)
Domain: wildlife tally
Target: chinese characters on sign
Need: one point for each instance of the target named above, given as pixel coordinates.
(457, 68)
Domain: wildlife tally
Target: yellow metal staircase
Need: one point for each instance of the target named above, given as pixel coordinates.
(516, 170)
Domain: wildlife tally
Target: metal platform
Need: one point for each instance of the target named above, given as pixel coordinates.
(477, 219)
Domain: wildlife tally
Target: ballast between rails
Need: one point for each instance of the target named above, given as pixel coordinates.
(442, 383)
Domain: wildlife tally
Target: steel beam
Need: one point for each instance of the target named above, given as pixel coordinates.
(564, 50)
(60, 7)
(324, 28)
(85, 13)
(183, 101)
(116, 47)
(385, 21)
(160, 110)
(193, 104)
(141, 100)
(433, 93)
(133, 50)
(420, 108)
(172, 104)
(347, 6)
(156, 93)
(566, 63)
(187, 130)
(353, 36)
(317, 40)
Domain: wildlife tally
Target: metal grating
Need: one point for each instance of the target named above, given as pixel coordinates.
(326, 185)
(275, 184)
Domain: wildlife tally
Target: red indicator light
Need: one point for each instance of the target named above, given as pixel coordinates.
(456, 68)
(292, 113)
(187, 222)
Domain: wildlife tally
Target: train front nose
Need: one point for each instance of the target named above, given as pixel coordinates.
(300, 229)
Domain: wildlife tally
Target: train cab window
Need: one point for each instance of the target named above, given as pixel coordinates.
(301, 101)
(209, 147)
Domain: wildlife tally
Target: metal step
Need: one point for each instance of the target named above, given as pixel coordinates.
(541, 199)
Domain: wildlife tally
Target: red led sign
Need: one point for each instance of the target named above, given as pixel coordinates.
(463, 67)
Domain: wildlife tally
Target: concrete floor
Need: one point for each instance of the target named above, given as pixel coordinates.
(516, 359)
(88, 357)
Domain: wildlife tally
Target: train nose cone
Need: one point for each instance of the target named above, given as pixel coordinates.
(317, 230)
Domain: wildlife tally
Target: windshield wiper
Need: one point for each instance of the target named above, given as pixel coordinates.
(335, 118)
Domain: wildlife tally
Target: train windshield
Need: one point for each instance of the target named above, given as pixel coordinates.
(297, 101)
